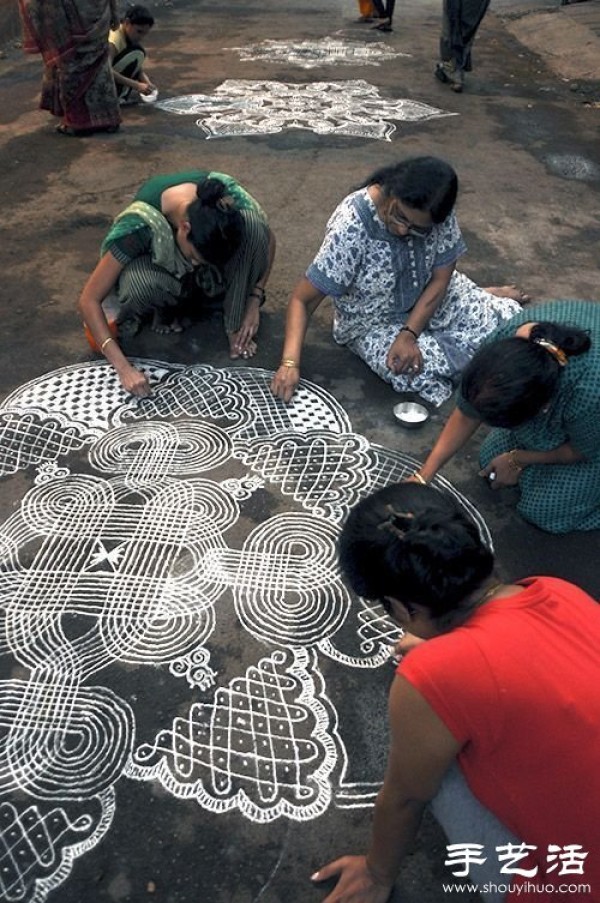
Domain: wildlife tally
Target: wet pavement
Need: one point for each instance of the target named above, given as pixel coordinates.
(523, 138)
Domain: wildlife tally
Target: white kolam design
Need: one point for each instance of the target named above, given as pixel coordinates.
(151, 533)
(324, 52)
(352, 108)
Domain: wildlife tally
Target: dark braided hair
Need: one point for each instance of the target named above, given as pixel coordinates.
(415, 544)
(216, 227)
(422, 183)
(509, 381)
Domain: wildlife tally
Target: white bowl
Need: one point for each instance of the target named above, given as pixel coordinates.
(410, 414)
(150, 98)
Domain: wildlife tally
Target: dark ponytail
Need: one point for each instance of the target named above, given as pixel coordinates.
(216, 227)
(415, 544)
(509, 381)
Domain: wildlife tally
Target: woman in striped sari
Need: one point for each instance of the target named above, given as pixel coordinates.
(186, 239)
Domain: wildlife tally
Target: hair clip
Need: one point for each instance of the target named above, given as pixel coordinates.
(557, 353)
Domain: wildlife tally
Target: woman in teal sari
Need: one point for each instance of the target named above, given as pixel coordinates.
(536, 381)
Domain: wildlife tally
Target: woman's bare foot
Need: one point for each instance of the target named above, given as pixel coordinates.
(163, 324)
(509, 291)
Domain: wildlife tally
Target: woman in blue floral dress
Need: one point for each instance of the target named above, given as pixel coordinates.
(388, 262)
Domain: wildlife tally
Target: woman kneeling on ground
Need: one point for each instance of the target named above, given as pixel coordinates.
(388, 262)
(186, 238)
(501, 678)
(537, 381)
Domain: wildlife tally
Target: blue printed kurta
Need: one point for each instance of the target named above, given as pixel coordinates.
(375, 279)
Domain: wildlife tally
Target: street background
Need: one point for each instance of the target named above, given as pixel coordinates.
(525, 145)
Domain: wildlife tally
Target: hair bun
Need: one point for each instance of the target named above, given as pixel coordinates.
(210, 192)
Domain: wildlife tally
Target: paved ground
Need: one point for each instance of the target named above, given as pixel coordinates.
(524, 142)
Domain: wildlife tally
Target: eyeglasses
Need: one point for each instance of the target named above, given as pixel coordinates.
(394, 218)
(397, 219)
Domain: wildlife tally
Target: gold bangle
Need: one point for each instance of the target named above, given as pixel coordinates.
(420, 479)
(105, 342)
(288, 362)
(513, 461)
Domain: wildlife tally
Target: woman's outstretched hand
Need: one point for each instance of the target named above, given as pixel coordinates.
(406, 643)
(285, 382)
(241, 343)
(134, 381)
(501, 471)
(356, 883)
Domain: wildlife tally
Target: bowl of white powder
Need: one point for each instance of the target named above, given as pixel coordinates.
(410, 414)
(150, 98)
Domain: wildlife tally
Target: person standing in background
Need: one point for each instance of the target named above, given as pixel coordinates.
(366, 10)
(460, 21)
(72, 38)
(385, 14)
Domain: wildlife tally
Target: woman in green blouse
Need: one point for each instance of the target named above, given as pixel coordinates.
(186, 237)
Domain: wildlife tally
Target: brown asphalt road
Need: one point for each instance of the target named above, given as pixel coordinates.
(524, 143)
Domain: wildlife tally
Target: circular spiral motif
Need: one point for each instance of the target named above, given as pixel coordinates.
(148, 448)
(288, 588)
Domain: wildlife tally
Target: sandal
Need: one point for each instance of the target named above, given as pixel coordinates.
(441, 74)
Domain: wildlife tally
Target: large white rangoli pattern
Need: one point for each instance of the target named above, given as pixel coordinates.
(352, 108)
(151, 533)
(326, 51)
